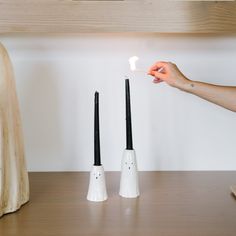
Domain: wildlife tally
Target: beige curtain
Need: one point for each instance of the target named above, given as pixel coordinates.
(14, 185)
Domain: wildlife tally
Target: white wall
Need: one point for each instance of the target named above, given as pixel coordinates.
(56, 77)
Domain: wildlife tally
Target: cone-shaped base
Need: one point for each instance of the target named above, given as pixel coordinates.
(97, 191)
(129, 185)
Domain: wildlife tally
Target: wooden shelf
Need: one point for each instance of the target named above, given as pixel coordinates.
(71, 16)
(171, 203)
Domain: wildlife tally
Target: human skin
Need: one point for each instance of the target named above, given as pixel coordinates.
(224, 96)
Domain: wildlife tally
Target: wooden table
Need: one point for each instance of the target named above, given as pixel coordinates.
(171, 203)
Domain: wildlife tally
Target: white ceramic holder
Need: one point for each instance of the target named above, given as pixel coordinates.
(97, 191)
(129, 184)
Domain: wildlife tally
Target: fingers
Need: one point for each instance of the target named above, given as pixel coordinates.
(157, 80)
(167, 72)
(157, 66)
(157, 74)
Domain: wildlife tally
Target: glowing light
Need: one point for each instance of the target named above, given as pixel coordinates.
(132, 63)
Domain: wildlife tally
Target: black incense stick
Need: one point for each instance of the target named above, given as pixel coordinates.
(129, 141)
(97, 157)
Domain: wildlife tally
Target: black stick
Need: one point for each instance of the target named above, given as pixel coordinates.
(97, 157)
(129, 140)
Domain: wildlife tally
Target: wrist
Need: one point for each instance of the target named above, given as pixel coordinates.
(189, 87)
(185, 84)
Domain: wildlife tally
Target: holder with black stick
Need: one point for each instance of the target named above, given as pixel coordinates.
(97, 186)
(129, 184)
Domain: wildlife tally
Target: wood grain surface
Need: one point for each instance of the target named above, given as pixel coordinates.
(72, 16)
(171, 203)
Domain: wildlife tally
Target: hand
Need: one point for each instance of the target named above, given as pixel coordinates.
(169, 73)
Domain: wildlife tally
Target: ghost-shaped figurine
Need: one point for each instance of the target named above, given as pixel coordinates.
(97, 186)
(129, 184)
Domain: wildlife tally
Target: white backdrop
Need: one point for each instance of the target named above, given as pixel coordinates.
(57, 75)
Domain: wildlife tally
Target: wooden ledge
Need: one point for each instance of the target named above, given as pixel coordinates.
(67, 16)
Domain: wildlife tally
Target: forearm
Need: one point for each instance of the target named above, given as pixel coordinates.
(224, 96)
(168, 72)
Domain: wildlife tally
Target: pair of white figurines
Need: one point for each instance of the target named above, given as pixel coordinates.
(129, 184)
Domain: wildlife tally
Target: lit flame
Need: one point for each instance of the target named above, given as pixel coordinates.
(132, 63)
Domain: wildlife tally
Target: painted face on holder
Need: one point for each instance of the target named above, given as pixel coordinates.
(97, 175)
(130, 165)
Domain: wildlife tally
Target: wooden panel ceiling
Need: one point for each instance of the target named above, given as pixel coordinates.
(73, 16)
